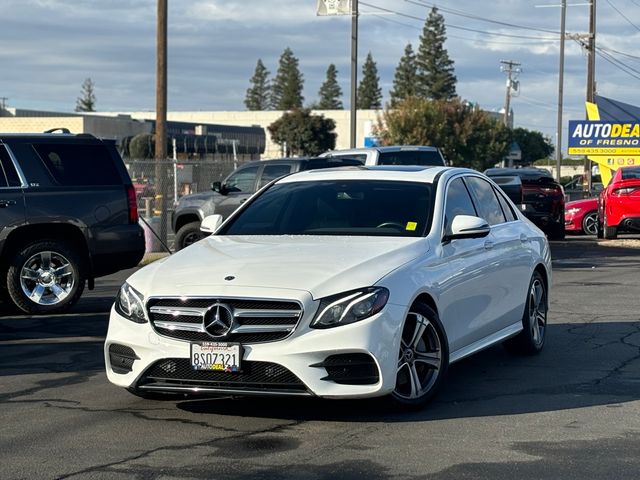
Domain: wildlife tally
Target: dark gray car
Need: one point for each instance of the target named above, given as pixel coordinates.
(68, 214)
(234, 190)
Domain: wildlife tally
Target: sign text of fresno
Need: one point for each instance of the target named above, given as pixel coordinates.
(604, 138)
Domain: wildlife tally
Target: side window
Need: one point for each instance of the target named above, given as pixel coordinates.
(411, 157)
(506, 208)
(271, 172)
(485, 200)
(8, 174)
(457, 202)
(243, 180)
(78, 164)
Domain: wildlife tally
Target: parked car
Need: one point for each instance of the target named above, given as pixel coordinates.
(340, 283)
(68, 215)
(234, 190)
(581, 216)
(393, 155)
(619, 204)
(542, 198)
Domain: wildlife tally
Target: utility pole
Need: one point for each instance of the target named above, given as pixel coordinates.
(354, 71)
(563, 18)
(512, 70)
(161, 118)
(3, 104)
(591, 82)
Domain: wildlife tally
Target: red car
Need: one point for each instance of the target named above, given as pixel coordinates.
(581, 216)
(619, 204)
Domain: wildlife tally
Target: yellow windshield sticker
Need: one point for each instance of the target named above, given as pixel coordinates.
(411, 226)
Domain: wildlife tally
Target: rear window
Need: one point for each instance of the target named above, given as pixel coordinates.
(630, 173)
(411, 157)
(78, 164)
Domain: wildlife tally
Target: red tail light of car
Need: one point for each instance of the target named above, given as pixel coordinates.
(621, 192)
(132, 204)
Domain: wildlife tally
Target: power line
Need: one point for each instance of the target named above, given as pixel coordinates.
(611, 50)
(493, 42)
(482, 19)
(458, 27)
(623, 15)
(618, 64)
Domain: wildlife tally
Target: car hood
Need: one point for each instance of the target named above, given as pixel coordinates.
(585, 203)
(320, 265)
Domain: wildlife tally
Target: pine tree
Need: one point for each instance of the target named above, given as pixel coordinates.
(404, 82)
(436, 79)
(257, 97)
(330, 92)
(286, 88)
(86, 102)
(369, 92)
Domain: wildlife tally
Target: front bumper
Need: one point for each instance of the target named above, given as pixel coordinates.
(296, 365)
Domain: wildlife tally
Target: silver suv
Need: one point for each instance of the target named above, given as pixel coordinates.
(395, 155)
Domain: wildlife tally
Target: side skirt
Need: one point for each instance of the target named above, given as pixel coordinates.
(486, 342)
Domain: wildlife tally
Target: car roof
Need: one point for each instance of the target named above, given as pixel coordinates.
(387, 149)
(424, 174)
(528, 173)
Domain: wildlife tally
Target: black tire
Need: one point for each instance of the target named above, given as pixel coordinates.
(423, 357)
(55, 284)
(531, 339)
(187, 235)
(609, 233)
(590, 223)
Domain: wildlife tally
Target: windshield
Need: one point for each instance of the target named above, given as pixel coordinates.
(355, 207)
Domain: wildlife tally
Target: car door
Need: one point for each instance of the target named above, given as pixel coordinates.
(239, 186)
(12, 210)
(506, 248)
(465, 273)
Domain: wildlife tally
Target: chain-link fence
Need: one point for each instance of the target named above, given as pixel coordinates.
(159, 185)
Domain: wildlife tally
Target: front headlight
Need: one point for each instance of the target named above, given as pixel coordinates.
(572, 211)
(130, 304)
(350, 307)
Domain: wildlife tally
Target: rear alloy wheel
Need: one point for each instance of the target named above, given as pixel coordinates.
(188, 235)
(534, 320)
(609, 233)
(423, 358)
(590, 223)
(45, 277)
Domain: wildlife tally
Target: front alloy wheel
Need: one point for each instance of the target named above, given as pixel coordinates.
(590, 223)
(45, 277)
(422, 359)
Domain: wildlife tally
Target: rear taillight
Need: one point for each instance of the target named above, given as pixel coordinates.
(619, 192)
(132, 204)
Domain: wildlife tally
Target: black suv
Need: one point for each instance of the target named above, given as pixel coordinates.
(236, 189)
(542, 197)
(68, 214)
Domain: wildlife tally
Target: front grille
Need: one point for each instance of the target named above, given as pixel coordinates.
(254, 321)
(177, 373)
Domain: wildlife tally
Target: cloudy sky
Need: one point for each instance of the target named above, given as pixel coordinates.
(50, 46)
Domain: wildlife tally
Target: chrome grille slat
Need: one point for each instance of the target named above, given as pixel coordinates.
(245, 313)
(254, 320)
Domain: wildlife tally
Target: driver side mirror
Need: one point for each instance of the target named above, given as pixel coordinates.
(468, 226)
(219, 188)
(211, 223)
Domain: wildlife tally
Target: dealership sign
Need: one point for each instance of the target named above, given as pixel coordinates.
(604, 138)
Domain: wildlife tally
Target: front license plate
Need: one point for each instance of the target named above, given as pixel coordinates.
(221, 357)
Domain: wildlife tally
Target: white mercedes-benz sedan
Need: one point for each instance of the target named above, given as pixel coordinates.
(344, 283)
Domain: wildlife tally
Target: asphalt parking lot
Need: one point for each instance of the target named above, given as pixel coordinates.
(571, 413)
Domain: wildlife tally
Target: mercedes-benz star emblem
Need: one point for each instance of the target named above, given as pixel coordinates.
(218, 320)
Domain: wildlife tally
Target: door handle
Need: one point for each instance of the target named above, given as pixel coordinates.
(242, 201)
(488, 245)
(6, 203)
(523, 238)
